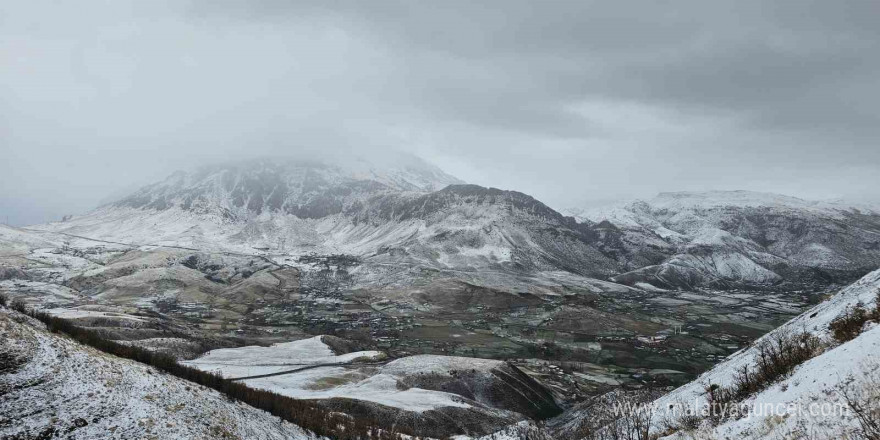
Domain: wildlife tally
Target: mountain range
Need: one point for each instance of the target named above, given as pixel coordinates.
(407, 212)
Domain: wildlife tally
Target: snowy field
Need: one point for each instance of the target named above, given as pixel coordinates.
(255, 360)
(308, 369)
(80, 313)
(336, 382)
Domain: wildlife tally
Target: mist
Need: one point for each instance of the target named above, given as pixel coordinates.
(574, 103)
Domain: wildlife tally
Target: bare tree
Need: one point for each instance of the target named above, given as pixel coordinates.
(862, 395)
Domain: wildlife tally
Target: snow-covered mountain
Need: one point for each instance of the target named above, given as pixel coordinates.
(302, 187)
(724, 238)
(408, 212)
(412, 213)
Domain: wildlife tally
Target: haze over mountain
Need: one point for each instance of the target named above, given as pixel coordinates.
(571, 103)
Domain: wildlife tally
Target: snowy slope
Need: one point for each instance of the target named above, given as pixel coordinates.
(313, 371)
(308, 369)
(815, 382)
(255, 360)
(445, 394)
(15, 241)
(57, 386)
(379, 388)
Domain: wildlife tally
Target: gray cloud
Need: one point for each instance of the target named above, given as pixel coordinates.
(570, 101)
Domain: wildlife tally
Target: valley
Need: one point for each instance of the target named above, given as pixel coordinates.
(577, 340)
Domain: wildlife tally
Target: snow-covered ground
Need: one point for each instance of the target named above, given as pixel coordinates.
(310, 370)
(79, 313)
(14, 241)
(809, 402)
(336, 382)
(255, 360)
(68, 390)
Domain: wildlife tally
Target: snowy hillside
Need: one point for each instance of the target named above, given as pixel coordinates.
(726, 238)
(814, 389)
(451, 394)
(16, 242)
(256, 360)
(51, 386)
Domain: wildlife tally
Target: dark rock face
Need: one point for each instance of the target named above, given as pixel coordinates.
(340, 346)
(9, 273)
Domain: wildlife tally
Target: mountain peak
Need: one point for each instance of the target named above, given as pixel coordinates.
(307, 187)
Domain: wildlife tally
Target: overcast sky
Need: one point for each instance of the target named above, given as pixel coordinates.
(572, 102)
